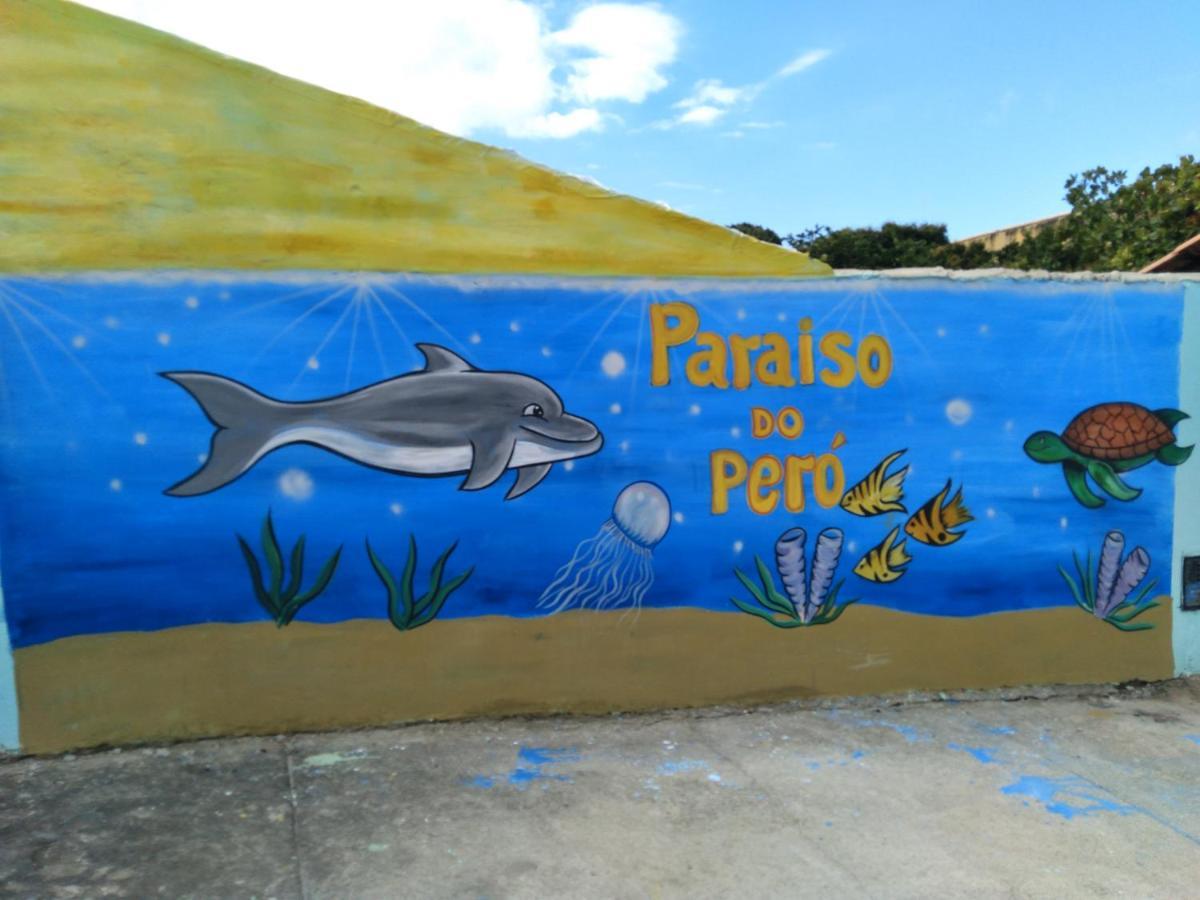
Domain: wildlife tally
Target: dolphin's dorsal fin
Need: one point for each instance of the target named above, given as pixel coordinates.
(439, 359)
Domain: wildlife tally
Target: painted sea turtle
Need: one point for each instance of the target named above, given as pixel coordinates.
(1105, 440)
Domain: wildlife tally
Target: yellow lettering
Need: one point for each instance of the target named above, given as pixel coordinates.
(833, 347)
(874, 361)
(707, 368)
(664, 335)
(791, 422)
(793, 486)
(827, 492)
(774, 366)
(807, 374)
(762, 423)
(727, 470)
(765, 473)
(740, 347)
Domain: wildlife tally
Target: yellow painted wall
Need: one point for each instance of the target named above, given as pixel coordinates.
(125, 148)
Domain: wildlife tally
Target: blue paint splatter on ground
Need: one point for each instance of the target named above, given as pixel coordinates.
(1194, 738)
(545, 756)
(683, 765)
(912, 735)
(531, 762)
(857, 754)
(1067, 797)
(983, 754)
(998, 729)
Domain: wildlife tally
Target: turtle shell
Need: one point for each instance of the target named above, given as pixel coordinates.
(1117, 431)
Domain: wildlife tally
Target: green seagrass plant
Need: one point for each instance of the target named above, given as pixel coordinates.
(281, 602)
(406, 611)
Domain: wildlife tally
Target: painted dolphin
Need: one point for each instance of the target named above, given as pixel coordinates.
(445, 418)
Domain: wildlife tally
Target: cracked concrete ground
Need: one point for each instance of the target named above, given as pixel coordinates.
(1094, 793)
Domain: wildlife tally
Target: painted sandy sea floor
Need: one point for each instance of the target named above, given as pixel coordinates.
(253, 678)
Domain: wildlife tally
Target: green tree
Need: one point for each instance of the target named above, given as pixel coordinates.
(1114, 224)
(892, 246)
(761, 232)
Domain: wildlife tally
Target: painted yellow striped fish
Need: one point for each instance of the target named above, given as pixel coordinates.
(878, 492)
(931, 523)
(886, 562)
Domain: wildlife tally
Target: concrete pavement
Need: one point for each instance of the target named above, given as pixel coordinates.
(1088, 793)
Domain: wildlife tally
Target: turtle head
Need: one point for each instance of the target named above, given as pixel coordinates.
(1047, 447)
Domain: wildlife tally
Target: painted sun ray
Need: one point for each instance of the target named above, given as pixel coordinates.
(287, 329)
(384, 370)
(403, 298)
(62, 347)
(598, 334)
(24, 296)
(358, 306)
(33, 363)
(325, 284)
(387, 313)
(316, 353)
(593, 308)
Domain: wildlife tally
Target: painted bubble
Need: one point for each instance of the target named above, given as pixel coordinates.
(296, 484)
(959, 411)
(613, 363)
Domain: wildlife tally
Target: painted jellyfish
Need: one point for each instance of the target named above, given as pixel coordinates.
(614, 567)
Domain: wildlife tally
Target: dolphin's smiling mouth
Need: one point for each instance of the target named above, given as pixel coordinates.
(566, 430)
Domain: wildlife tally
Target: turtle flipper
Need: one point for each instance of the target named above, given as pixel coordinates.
(1171, 417)
(1110, 482)
(1077, 482)
(1173, 454)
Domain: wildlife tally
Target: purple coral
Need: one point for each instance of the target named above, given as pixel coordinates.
(1110, 560)
(825, 562)
(1133, 570)
(790, 563)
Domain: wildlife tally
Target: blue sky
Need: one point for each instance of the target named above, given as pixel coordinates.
(970, 114)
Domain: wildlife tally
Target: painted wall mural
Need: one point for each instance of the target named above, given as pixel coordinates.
(764, 476)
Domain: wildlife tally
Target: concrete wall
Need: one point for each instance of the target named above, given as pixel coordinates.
(357, 499)
(1186, 627)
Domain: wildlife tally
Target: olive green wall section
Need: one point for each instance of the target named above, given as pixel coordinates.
(125, 148)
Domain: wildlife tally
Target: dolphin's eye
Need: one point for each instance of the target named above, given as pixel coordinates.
(534, 410)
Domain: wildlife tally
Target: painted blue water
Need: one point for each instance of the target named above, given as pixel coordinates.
(91, 437)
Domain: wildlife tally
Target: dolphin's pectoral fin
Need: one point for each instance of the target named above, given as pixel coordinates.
(439, 359)
(528, 478)
(488, 462)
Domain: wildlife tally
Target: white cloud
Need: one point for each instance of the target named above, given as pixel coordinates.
(712, 91)
(464, 66)
(628, 44)
(701, 115)
(558, 125)
(711, 99)
(803, 61)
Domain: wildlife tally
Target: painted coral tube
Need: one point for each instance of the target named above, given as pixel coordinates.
(1110, 561)
(825, 562)
(1133, 570)
(789, 562)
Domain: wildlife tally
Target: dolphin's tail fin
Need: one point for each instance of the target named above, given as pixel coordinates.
(245, 420)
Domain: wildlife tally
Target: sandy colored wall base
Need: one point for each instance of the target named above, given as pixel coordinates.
(254, 678)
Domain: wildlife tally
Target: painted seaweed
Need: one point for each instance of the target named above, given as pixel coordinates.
(405, 611)
(282, 602)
